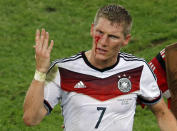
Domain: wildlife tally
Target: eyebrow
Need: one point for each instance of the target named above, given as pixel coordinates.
(109, 35)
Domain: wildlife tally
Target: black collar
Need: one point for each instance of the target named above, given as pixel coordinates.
(95, 68)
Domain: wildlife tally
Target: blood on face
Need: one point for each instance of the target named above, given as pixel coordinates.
(97, 38)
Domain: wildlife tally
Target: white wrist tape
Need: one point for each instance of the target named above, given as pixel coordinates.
(39, 76)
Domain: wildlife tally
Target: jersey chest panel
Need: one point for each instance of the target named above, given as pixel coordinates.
(101, 88)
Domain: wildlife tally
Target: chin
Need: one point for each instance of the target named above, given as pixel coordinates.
(101, 57)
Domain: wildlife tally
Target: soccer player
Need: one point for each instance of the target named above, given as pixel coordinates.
(98, 88)
(164, 67)
(159, 68)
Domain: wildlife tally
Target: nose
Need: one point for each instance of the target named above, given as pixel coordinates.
(103, 40)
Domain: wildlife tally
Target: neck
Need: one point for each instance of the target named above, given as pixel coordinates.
(100, 64)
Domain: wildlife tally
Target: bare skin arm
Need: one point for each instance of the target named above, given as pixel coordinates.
(166, 120)
(34, 110)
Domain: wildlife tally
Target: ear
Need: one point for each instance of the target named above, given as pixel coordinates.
(92, 30)
(127, 39)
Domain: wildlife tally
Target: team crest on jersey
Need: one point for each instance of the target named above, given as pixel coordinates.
(124, 85)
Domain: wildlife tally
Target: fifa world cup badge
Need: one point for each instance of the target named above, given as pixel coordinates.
(124, 85)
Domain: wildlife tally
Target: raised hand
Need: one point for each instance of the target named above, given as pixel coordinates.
(43, 50)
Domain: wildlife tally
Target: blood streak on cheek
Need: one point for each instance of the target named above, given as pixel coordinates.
(97, 38)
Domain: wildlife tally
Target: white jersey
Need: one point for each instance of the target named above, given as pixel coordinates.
(100, 100)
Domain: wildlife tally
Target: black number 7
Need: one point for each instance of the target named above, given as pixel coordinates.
(101, 116)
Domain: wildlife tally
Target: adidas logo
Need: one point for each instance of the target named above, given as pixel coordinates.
(80, 84)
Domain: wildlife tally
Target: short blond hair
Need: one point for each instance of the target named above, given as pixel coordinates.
(115, 14)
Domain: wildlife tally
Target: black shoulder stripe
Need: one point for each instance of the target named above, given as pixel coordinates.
(68, 59)
(130, 57)
(161, 61)
(72, 58)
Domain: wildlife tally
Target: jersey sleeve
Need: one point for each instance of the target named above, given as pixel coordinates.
(158, 66)
(52, 90)
(149, 90)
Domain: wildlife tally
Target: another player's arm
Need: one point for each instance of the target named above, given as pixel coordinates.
(34, 110)
(165, 118)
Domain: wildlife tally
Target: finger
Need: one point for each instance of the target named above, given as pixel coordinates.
(51, 46)
(46, 40)
(42, 36)
(37, 38)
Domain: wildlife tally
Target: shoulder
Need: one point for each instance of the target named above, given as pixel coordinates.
(65, 60)
(130, 57)
(54, 67)
(132, 60)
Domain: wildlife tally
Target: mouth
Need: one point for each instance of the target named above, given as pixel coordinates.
(101, 51)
